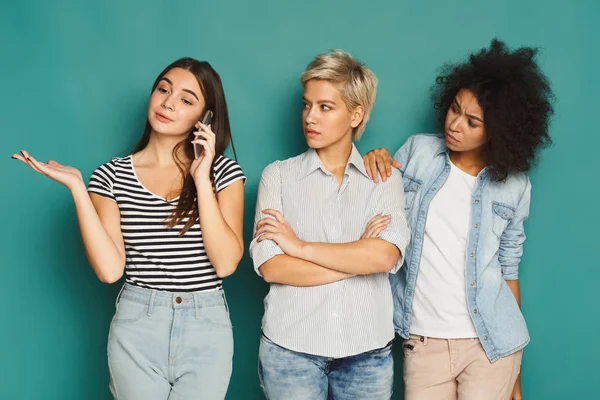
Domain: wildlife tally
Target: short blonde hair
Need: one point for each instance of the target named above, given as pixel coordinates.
(357, 83)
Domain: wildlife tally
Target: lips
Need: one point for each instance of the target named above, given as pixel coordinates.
(163, 118)
(454, 139)
(311, 133)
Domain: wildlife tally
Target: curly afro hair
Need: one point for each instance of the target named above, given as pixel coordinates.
(516, 100)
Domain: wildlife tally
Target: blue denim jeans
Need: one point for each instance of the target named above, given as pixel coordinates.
(167, 345)
(288, 375)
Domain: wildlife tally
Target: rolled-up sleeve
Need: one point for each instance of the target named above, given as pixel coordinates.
(513, 237)
(391, 202)
(269, 197)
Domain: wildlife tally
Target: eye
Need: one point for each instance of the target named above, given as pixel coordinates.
(305, 105)
(186, 102)
(325, 107)
(472, 124)
(454, 108)
(162, 90)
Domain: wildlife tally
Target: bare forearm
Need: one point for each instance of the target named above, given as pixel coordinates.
(515, 289)
(362, 257)
(103, 254)
(223, 247)
(293, 271)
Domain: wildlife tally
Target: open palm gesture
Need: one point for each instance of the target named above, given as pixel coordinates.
(68, 176)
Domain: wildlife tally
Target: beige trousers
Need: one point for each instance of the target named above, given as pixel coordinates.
(450, 369)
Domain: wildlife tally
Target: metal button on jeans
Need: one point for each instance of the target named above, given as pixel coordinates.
(178, 300)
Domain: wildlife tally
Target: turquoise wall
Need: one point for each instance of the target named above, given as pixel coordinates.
(75, 81)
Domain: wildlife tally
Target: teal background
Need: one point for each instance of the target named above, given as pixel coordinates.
(76, 77)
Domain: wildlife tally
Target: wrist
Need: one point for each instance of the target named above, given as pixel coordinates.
(303, 250)
(203, 183)
(78, 189)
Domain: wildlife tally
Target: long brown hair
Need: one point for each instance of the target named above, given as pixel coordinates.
(214, 98)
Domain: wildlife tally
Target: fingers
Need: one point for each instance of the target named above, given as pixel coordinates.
(388, 168)
(383, 222)
(205, 135)
(266, 221)
(383, 153)
(396, 164)
(33, 163)
(201, 142)
(266, 229)
(378, 163)
(205, 128)
(206, 141)
(26, 157)
(377, 218)
(382, 168)
(266, 236)
(374, 219)
(377, 224)
(375, 230)
(206, 145)
(40, 167)
(368, 166)
(373, 169)
(275, 214)
(380, 226)
(20, 158)
(267, 225)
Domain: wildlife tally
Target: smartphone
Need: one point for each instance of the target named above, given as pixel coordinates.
(206, 120)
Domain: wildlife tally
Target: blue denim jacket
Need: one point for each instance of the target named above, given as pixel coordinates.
(494, 247)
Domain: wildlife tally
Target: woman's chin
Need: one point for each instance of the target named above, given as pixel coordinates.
(159, 129)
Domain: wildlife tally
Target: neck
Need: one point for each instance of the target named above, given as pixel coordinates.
(159, 150)
(336, 155)
(469, 161)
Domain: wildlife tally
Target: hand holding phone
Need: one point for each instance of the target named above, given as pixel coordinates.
(206, 120)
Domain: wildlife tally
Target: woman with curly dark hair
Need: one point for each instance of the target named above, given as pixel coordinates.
(467, 194)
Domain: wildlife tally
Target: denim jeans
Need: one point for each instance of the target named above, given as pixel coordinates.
(288, 375)
(167, 345)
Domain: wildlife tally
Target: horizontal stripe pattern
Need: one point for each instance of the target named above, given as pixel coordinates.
(157, 257)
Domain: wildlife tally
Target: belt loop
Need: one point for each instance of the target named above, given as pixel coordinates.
(196, 305)
(151, 303)
(119, 295)
(424, 340)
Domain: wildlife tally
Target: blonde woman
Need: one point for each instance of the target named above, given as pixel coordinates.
(326, 237)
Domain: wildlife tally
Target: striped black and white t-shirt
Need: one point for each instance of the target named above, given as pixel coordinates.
(158, 257)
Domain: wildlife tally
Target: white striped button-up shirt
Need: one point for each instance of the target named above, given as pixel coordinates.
(350, 316)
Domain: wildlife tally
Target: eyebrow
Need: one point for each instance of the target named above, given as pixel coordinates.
(468, 115)
(185, 90)
(320, 101)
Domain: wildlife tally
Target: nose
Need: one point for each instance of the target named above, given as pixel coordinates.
(167, 103)
(310, 116)
(455, 123)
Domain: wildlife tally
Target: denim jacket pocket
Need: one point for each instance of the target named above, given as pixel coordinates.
(502, 215)
(411, 187)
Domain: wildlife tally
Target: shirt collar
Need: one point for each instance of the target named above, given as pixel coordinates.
(311, 162)
(443, 148)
